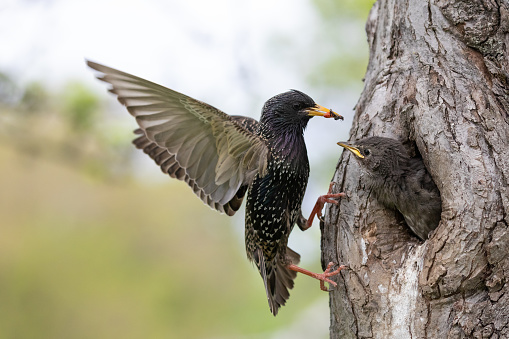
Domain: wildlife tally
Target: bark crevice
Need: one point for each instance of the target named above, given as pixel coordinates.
(438, 80)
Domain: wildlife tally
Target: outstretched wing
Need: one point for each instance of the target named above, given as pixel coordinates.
(191, 140)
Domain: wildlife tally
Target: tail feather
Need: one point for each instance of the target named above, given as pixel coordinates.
(277, 278)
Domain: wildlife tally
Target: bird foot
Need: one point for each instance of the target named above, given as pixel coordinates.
(323, 277)
(320, 202)
(327, 273)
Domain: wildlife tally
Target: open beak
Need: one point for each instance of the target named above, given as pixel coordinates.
(321, 111)
(352, 149)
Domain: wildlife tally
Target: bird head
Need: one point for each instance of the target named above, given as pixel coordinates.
(293, 108)
(378, 155)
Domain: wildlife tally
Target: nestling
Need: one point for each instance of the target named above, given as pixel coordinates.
(399, 181)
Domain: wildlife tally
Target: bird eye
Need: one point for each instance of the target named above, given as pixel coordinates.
(296, 106)
(367, 152)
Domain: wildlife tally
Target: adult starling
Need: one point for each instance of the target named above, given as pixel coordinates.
(221, 157)
(399, 181)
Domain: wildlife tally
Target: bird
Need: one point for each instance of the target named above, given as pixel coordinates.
(399, 181)
(225, 157)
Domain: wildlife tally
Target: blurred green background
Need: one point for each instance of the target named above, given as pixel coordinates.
(94, 241)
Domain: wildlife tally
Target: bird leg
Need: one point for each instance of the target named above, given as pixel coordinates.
(323, 277)
(317, 210)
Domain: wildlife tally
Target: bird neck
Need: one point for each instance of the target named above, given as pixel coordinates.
(287, 142)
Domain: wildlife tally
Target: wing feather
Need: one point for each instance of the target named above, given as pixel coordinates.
(216, 154)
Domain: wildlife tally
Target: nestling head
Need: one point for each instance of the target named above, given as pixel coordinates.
(378, 155)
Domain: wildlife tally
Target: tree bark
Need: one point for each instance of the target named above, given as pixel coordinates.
(437, 80)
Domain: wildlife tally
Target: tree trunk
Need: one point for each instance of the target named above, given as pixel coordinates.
(438, 80)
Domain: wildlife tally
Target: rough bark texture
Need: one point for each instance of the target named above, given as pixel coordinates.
(438, 79)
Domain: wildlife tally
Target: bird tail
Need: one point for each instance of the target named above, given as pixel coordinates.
(277, 278)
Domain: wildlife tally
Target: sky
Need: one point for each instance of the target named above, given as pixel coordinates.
(233, 54)
(248, 49)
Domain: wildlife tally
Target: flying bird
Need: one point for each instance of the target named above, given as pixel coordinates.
(399, 181)
(224, 157)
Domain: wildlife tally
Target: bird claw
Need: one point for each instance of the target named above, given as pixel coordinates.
(323, 199)
(332, 184)
(323, 277)
(320, 202)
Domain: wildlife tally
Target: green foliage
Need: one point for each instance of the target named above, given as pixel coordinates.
(341, 34)
(67, 125)
(80, 106)
(340, 9)
(8, 90)
(35, 98)
(340, 71)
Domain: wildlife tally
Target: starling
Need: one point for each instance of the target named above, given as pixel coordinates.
(399, 181)
(222, 157)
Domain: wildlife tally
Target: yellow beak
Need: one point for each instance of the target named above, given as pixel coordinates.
(352, 149)
(321, 111)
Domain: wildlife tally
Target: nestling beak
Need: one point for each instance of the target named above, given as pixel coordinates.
(352, 149)
(321, 111)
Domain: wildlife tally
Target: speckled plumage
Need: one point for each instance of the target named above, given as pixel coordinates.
(272, 209)
(221, 156)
